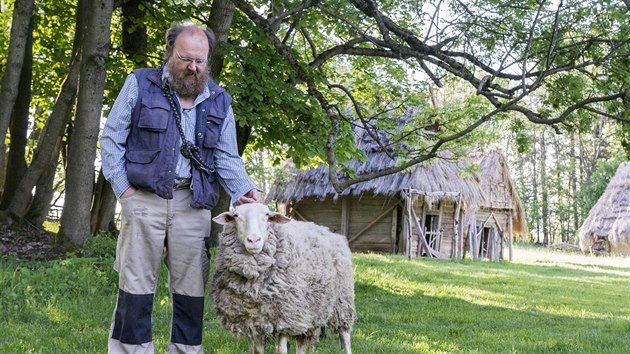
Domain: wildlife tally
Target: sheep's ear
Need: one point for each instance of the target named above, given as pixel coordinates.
(277, 218)
(224, 218)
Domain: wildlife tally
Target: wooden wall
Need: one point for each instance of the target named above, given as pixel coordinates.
(369, 222)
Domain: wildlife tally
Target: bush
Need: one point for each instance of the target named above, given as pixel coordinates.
(100, 245)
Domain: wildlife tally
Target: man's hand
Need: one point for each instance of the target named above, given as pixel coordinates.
(249, 197)
(128, 192)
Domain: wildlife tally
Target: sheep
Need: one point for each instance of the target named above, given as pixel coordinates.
(279, 277)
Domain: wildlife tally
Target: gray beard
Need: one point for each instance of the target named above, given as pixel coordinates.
(186, 85)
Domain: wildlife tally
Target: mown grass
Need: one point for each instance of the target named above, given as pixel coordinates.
(403, 306)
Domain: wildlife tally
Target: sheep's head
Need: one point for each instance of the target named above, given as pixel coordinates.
(251, 222)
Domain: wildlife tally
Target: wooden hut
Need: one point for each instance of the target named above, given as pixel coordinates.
(607, 227)
(431, 210)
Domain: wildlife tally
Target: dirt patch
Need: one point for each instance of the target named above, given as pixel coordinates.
(28, 243)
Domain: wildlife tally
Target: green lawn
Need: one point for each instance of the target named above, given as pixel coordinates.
(403, 306)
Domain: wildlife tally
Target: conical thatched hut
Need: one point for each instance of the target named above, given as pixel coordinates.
(607, 227)
(432, 210)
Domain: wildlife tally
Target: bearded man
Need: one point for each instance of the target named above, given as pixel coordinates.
(169, 141)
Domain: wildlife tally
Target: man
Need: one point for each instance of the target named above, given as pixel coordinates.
(169, 140)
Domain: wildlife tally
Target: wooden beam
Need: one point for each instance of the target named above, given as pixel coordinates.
(430, 251)
(394, 227)
(510, 234)
(297, 213)
(344, 216)
(457, 235)
(434, 194)
(472, 241)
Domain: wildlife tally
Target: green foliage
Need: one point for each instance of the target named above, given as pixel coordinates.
(624, 137)
(403, 306)
(267, 98)
(102, 245)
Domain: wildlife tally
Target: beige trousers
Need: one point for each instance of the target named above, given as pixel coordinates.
(155, 229)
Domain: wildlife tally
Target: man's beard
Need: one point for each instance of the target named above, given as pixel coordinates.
(186, 83)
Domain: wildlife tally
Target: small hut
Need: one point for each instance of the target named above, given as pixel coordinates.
(432, 210)
(607, 227)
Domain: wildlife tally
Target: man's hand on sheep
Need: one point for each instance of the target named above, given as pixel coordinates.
(249, 197)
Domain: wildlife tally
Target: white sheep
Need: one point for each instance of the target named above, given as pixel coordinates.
(279, 277)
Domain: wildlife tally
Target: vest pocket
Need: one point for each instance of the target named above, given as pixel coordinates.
(213, 128)
(154, 115)
(140, 169)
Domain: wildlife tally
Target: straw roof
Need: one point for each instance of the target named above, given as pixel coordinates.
(610, 217)
(440, 175)
(498, 187)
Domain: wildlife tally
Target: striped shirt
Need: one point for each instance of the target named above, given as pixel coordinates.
(228, 163)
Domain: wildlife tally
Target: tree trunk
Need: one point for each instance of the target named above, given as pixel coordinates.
(544, 189)
(104, 206)
(573, 182)
(134, 32)
(535, 202)
(44, 193)
(134, 46)
(75, 218)
(220, 20)
(20, 29)
(16, 161)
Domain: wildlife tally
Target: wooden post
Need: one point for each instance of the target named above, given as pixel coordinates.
(510, 234)
(495, 244)
(407, 226)
(344, 215)
(472, 236)
(457, 235)
(394, 227)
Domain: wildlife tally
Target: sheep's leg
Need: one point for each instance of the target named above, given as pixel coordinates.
(256, 346)
(281, 347)
(345, 341)
(300, 346)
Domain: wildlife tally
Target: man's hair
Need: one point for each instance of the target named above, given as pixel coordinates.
(187, 25)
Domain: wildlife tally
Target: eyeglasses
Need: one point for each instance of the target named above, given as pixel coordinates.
(188, 61)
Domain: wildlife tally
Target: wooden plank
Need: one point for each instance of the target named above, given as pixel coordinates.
(510, 235)
(394, 228)
(430, 251)
(298, 214)
(370, 225)
(344, 217)
(456, 234)
(472, 240)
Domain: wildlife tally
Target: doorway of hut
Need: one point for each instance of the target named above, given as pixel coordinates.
(432, 233)
(484, 243)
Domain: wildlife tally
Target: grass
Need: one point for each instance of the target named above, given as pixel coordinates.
(536, 304)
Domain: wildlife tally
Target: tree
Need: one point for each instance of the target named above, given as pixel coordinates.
(506, 52)
(75, 219)
(22, 17)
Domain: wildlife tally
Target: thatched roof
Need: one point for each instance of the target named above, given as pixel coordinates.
(499, 188)
(439, 175)
(610, 217)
